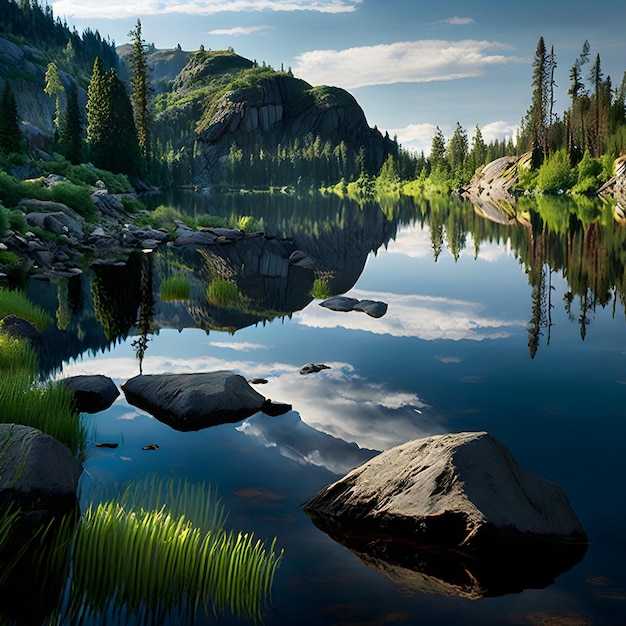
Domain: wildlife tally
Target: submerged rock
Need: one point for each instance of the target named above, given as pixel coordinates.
(92, 393)
(37, 472)
(194, 401)
(313, 368)
(453, 514)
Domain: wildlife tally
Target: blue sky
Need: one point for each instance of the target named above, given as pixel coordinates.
(411, 65)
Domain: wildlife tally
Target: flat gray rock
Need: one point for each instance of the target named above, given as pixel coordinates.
(92, 393)
(37, 472)
(194, 401)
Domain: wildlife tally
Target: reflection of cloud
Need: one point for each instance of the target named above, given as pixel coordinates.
(413, 315)
(238, 30)
(241, 345)
(120, 9)
(401, 62)
(337, 401)
(303, 444)
(411, 241)
(127, 416)
(457, 21)
(449, 359)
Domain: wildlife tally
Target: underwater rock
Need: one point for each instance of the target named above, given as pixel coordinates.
(194, 401)
(313, 368)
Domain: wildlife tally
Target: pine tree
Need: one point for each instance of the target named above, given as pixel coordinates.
(457, 151)
(54, 88)
(478, 153)
(10, 134)
(140, 91)
(539, 107)
(71, 128)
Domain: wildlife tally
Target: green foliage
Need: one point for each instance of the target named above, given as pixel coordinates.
(223, 293)
(48, 408)
(10, 134)
(132, 206)
(174, 288)
(248, 224)
(17, 303)
(556, 175)
(211, 221)
(589, 172)
(321, 289)
(75, 196)
(8, 259)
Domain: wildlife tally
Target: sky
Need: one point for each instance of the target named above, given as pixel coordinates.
(411, 65)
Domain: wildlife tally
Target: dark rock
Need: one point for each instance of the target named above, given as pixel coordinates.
(107, 444)
(274, 409)
(302, 259)
(373, 308)
(193, 401)
(258, 381)
(313, 368)
(151, 446)
(37, 472)
(345, 304)
(92, 393)
(21, 329)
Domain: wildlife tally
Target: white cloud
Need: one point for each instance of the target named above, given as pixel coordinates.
(457, 21)
(498, 130)
(401, 62)
(416, 137)
(118, 9)
(238, 30)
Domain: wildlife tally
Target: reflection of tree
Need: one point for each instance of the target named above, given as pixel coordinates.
(146, 310)
(115, 290)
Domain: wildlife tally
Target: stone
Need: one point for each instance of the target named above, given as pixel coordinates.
(92, 393)
(452, 515)
(460, 490)
(19, 328)
(274, 409)
(189, 402)
(37, 472)
(345, 304)
(313, 368)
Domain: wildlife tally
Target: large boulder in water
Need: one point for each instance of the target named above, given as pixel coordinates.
(194, 401)
(37, 472)
(452, 515)
(92, 393)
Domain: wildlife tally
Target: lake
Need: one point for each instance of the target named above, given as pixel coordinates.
(513, 328)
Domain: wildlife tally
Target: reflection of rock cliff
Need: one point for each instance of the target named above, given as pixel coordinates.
(271, 282)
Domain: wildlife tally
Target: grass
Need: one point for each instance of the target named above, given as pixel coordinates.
(161, 550)
(174, 288)
(223, 293)
(49, 408)
(321, 289)
(17, 303)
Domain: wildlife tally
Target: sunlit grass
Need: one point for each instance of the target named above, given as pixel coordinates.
(17, 303)
(161, 549)
(49, 408)
(174, 288)
(321, 289)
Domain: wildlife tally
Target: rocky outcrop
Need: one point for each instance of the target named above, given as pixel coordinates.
(454, 515)
(616, 188)
(37, 472)
(189, 402)
(92, 393)
(19, 328)
(491, 188)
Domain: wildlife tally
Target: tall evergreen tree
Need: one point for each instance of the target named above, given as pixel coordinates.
(438, 151)
(478, 153)
(140, 90)
(539, 106)
(10, 134)
(457, 151)
(54, 88)
(111, 133)
(71, 128)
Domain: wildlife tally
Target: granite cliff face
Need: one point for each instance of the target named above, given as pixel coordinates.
(282, 109)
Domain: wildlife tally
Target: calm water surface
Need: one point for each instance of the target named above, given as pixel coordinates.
(487, 336)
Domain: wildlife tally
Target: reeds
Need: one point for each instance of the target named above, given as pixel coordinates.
(130, 561)
(223, 293)
(174, 288)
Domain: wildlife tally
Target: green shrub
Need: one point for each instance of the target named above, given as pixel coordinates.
(17, 221)
(4, 221)
(321, 289)
(76, 197)
(10, 193)
(9, 260)
(248, 224)
(211, 221)
(132, 205)
(556, 174)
